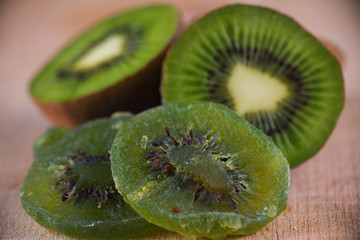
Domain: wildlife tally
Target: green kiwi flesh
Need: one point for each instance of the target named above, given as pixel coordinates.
(199, 176)
(99, 68)
(69, 187)
(51, 135)
(267, 68)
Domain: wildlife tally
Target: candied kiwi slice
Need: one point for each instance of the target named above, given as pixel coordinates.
(69, 187)
(201, 177)
(51, 135)
(264, 66)
(114, 66)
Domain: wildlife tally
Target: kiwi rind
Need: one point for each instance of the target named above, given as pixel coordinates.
(114, 219)
(169, 207)
(184, 80)
(111, 90)
(122, 96)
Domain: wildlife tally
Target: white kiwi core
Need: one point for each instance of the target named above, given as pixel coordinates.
(107, 49)
(255, 91)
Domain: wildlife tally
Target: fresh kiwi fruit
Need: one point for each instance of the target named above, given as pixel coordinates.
(69, 187)
(267, 68)
(114, 66)
(199, 176)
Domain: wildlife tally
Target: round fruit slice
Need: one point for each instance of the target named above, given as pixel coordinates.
(198, 176)
(113, 66)
(264, 66)
(69, 187)
(51, 135)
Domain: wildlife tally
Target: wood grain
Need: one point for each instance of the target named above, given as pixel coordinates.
(324, 201)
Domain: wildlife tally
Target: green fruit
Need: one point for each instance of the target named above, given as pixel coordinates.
(264, 66)
(113, 66)
(51, 135)
(69, 187)
(199, 170)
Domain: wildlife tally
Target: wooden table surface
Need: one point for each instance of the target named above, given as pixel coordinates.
(324, 201)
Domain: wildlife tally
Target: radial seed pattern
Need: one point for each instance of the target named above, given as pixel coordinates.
(203, 60)
(199, 176)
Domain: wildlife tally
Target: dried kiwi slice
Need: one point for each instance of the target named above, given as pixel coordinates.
(113, 66)
(264, 66)
(69, 187)
(199, 176)
(51, 135)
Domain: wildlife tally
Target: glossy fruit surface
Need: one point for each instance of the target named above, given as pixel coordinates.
(113, 66)
(69, 187)
(200, 170)
(267, 68)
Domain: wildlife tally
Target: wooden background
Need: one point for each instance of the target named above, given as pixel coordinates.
(324, 201)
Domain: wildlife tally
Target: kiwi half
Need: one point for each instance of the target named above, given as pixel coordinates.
(113, 66)
(69, 187)
(198, 176)
(264, 66)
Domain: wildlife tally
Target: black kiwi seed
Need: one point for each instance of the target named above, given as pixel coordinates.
(159, 162)
(69, 187)
(267, 68)
(132, 36)
(113, 66)
(74, 172)
(264, 59)
(201, 177)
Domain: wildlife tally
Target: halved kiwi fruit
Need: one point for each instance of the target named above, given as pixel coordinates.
(69, 187)
(113, 66)
(264, 66)
(199, 176)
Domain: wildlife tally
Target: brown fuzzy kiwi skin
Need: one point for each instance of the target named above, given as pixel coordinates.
(134, 94)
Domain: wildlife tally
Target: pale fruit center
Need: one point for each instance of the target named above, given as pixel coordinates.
(93, 173)
(255, 91)
(201, 166)
(104, 51)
